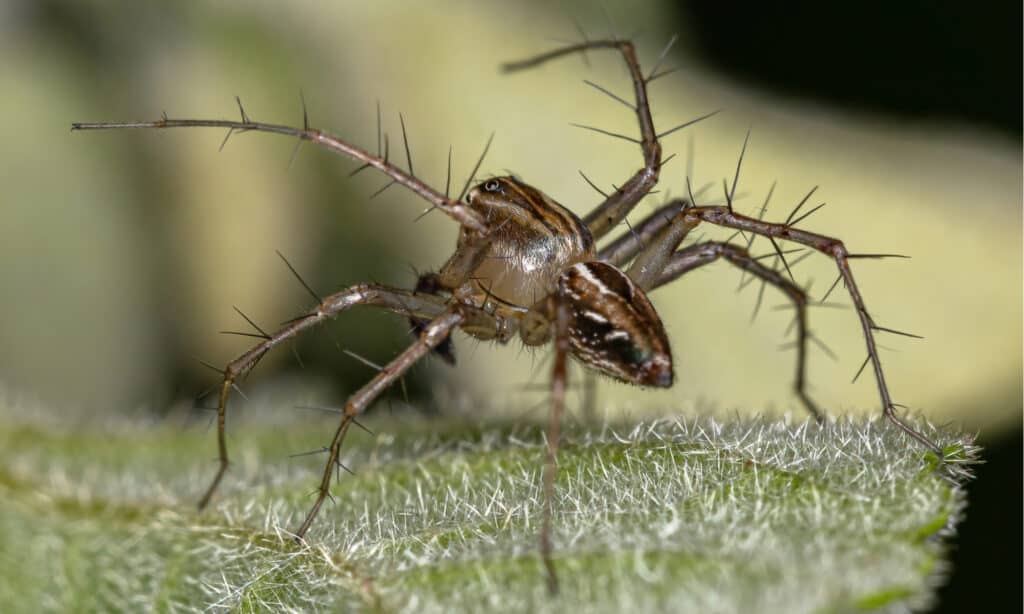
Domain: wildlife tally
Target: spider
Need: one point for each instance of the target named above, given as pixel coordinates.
(525, 266)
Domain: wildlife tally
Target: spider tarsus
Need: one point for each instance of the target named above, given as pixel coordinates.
(890, 413)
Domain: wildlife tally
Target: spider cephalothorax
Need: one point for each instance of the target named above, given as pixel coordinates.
(525, 265)
(531, 240)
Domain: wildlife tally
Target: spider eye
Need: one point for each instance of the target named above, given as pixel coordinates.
(492, 186)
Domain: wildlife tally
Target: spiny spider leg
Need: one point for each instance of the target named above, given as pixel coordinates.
(614, 209)
(559, 378)
(433, 333)
(694, 256)
(723, 216)
(402, 302)
(621, 250)
(460, 212)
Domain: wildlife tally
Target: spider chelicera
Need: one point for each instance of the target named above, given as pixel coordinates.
(526, 266)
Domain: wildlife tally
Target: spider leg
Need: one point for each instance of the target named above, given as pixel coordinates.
(694, 256)
(558, 386)
(723, 216)
(618, 204)
(629, 244)
(433, 334)
(460, 212)
(398, 301)
(649, 263)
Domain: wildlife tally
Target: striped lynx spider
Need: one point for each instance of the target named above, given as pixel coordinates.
(525, 266)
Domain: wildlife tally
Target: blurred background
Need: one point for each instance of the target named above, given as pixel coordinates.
(124, 253)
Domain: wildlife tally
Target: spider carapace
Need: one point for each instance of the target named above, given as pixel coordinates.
(524, 265)
(538, 253)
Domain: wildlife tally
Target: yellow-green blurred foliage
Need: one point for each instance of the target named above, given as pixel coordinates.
(124, 252)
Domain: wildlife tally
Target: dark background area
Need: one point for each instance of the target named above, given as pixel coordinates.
(920, 60)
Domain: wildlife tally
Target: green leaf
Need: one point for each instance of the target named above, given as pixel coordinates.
(681, 514)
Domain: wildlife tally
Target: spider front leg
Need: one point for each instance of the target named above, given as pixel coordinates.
(724, 216)
(618, 204)
(433, 334)
(694, 256)
(398, 301)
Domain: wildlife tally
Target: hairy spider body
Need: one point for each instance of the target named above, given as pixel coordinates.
(539, 253)
(531, 240)
(526, 266)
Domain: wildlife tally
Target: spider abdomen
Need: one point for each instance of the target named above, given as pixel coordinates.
(613, 327)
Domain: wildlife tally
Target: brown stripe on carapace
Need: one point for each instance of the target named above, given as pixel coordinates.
(544, 208)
